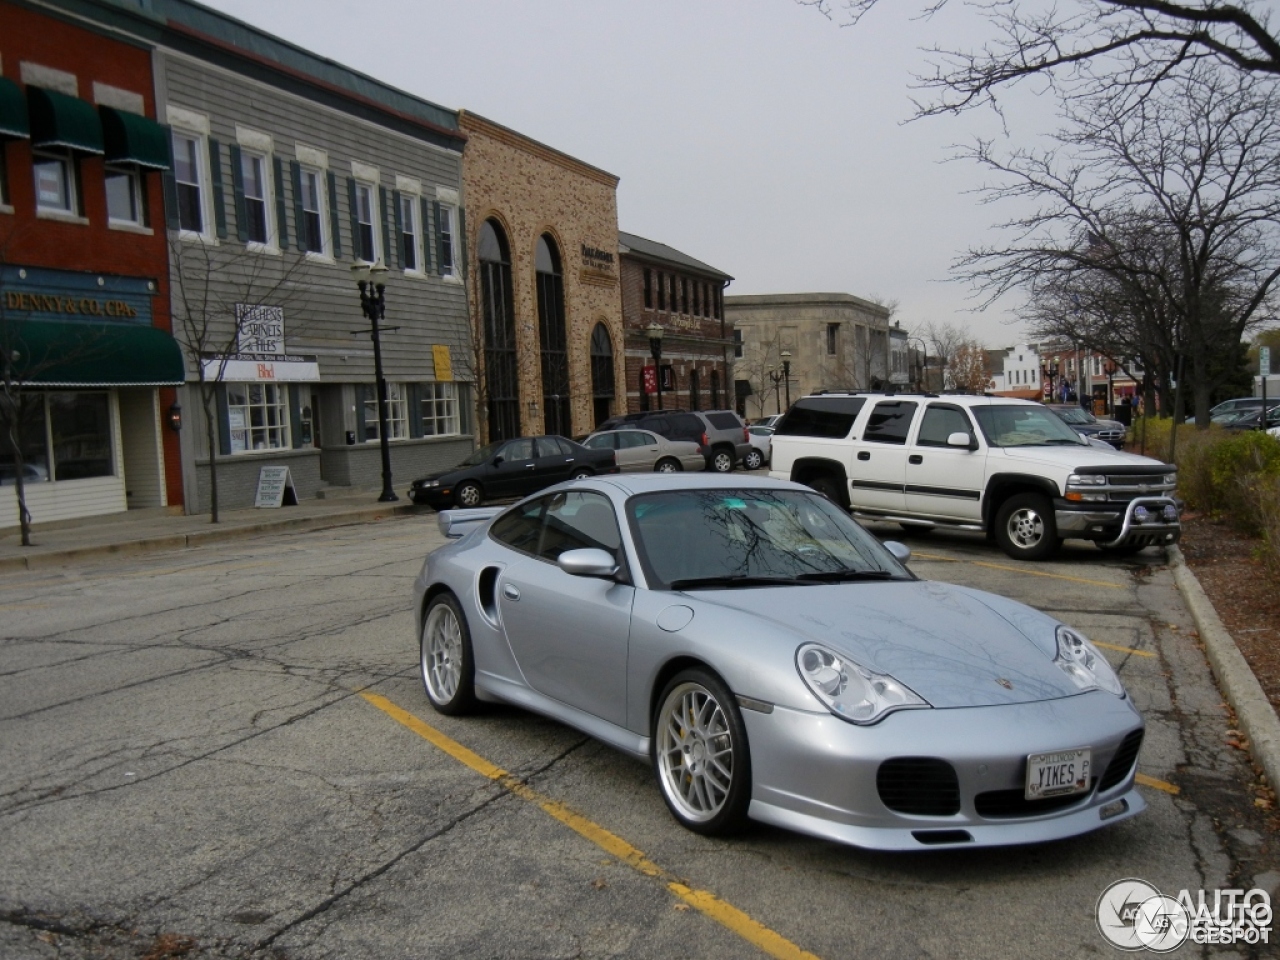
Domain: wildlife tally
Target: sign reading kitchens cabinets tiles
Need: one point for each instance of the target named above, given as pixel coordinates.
(273, 484)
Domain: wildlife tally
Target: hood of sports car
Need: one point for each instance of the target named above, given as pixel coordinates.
(953, 646)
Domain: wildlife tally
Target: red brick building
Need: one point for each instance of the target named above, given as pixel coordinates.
(84, 300)
(664, 289)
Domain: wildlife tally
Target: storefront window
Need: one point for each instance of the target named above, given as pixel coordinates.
(33, 440)
(397, 413)
(440, 409)
(258, 416)
(80, 426)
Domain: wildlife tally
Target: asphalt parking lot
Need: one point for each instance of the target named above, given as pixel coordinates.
(226, 752)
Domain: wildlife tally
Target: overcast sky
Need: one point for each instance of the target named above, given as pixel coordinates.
(754, 135)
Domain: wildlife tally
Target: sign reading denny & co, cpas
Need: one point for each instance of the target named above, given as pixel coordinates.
(66, 296)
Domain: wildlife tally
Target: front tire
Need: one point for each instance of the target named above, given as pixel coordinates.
(829, 487)
(753, 460)
(722, 461)
(468, 494)
(1025, 527)
(446, 661)
(700, 754)
(667, 465)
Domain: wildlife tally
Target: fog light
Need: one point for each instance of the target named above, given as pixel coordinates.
(1170, 513)
(1112, 809)
(1141, 514)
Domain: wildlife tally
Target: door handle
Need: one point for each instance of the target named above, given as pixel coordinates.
(864, 455)
(915, 458)
(511, 591)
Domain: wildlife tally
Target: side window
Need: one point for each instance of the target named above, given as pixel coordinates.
(576, 521)
(889, 422)
(518, 450)
(724, 421)
(605, 441)
(940, 422)
(634, 438)
(521, 527)
(828, 417)
(659, 425)
(553, 447)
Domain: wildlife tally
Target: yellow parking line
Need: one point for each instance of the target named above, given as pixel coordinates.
(1136, 652)
(1146, 781)
(774, 944)
(1030, 573)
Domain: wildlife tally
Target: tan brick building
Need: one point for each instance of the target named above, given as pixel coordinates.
(541, 248)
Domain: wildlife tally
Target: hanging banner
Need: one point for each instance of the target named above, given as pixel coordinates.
(650, 380)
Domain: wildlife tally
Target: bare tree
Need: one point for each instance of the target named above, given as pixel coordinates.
(1085, 46)
(209, 282)
(969, 368)
(945, 339)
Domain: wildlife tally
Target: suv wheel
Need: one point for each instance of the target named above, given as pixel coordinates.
(722, 461)
(1025, 527)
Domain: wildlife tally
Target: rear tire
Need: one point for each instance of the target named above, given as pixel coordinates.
(667, 465)
(753, 460)
(700, 754)
(1025, 527)
(581, 474)
(722, 461)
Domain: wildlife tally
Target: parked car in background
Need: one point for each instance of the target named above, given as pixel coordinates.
(721, 433)
(1251, 419)
(730, 443)
(1090, 427)
(641, 451)
(770, 659)
(762, 442)
(769, 421)
(511, 468)
(1229, 410)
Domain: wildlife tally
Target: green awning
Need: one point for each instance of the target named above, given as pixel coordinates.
(61, 121)
(13, 111)
(131, 138)
(54, 353)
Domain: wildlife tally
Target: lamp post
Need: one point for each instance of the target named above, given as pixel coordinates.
(655, 348)
(1049, 374)
(1110, 369)
(775, 377)
(371, 279)
(786, 376)
(922, 383)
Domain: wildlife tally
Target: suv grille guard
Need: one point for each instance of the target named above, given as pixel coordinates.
(1152, 532)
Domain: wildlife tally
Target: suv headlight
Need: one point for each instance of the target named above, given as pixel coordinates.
(1082, 487)
(849, 691)
(1080, 660)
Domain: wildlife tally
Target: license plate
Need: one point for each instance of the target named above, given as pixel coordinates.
(1058, 774)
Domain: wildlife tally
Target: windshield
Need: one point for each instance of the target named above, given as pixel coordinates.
(723, 538)
(483, 455)
(1024, 426)
(1075, 414)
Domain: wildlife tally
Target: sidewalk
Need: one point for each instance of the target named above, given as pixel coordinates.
(142, 531)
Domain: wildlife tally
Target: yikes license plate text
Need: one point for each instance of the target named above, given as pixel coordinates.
(1057, 774)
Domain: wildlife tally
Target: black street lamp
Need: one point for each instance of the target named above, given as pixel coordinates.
(786, 376)
(776, 377)
(922, 384)
(1049, 374)
(655, 348)
(1111, 373)
(371, 279)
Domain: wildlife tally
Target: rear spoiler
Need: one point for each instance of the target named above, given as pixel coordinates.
(458, 523)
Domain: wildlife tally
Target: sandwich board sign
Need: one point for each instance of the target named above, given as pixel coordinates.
(274, 485)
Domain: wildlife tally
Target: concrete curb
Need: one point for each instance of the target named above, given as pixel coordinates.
(1254, 712)
(181, 541)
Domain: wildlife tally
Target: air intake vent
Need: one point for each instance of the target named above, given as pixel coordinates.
(1007, 804)
(1125, 757)
(921, 786)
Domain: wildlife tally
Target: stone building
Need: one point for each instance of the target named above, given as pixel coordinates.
(542, 265)
(684, 298)
(795, 343)
(85, 345)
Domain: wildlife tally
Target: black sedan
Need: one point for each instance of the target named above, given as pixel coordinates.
(511, 468)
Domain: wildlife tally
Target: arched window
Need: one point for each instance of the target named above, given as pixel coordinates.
(498, 316)
(555, 342)
(601, 374)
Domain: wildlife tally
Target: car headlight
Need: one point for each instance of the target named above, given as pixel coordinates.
(850, 691)
(1080, 660)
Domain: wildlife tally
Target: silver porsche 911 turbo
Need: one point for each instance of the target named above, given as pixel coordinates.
(773, 661)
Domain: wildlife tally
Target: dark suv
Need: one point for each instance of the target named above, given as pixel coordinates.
(721, 436)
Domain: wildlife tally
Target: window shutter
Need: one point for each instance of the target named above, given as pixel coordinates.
(295, 415)
(355, 218)
(215, 177)
(415, 410)
(282, 226)
(461, 265)
(237, 189)
(439, 242)
(399, 224)
(170, 190)
(334, 221)
(295, 175)
(223, 422)
(427, 259)
(388, 252)
(362, 396)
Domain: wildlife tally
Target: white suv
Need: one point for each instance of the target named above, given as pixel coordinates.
(1010, 468)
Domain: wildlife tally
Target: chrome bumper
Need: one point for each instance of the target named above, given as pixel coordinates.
(1153, 530)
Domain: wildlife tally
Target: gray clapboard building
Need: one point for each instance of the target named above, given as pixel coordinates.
(287, 167)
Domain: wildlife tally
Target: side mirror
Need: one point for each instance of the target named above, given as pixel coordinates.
(961, 439)
(497, 461)
(901, 552)
(588, 562)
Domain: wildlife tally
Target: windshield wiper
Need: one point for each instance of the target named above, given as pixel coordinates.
(847, 576)
(732, 580)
